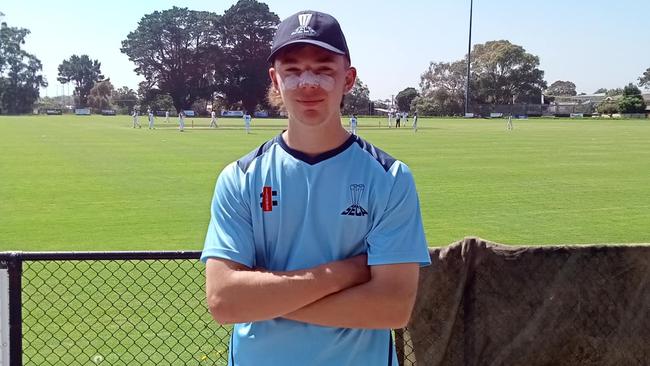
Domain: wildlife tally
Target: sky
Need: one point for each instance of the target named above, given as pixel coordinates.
(591, 43)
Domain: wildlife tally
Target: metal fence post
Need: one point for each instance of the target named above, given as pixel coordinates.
(15, 269)
(4, 313)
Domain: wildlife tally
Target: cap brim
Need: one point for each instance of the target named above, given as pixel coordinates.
(305, 41)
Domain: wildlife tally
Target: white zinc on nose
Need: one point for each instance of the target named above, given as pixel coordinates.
(307, 78)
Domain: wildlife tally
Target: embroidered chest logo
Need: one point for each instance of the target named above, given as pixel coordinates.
(267, 196)
(356, 192)
(304, 28)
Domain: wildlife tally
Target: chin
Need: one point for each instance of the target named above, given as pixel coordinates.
(312, 118)
(309, 117)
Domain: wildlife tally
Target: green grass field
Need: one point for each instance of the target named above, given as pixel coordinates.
(94, 183)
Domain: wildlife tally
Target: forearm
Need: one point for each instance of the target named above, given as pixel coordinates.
(246, 295)
(253, 295)
(374, 305)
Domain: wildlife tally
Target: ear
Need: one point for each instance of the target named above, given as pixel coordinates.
(274, 78)
(350, 78)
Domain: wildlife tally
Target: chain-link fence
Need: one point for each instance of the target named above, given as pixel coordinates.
(112, 309)
(130, 308)
(478, 304)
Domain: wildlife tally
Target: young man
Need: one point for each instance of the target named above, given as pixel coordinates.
(166, 116)
(315, 238)
(213, 119)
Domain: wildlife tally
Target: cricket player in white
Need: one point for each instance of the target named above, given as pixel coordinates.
(509, 126)
(135, 119)
(415, 122)
(151, 119)
(166, 116)
(213, 120)
(247, 122)
(353, 124)
(181, 121)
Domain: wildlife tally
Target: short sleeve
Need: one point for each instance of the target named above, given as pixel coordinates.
(230, 232)
(398, 234)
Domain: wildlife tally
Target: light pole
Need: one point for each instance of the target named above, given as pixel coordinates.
(469, 57)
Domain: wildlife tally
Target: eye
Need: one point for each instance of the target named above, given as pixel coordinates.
(292, 70)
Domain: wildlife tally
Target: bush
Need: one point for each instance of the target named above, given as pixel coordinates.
(632, 100)
(607, 106)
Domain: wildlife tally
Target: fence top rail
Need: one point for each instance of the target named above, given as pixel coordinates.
(100, 255)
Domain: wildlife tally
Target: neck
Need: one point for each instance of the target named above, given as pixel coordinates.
(314, 140)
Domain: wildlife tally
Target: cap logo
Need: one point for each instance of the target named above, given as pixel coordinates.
(304, 27)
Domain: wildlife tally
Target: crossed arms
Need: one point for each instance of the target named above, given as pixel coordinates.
(345, 293)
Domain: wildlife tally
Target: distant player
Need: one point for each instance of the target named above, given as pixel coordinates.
(247, 122)
(353, 124)
(398, 117)
(166, 116)
(509, 126)
(135, 118)
(213, 120)
(415, 122)
(150, 119)
(390, 119)
(181, 121)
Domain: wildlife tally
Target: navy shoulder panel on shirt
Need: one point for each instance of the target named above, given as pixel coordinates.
(246, 160)
(382, 157)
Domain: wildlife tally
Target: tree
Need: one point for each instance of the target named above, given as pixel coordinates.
(84, 72)
(632, 100)
(504, 73)
(100, 95)
(357, 100)
(644, 80)
(425, 106)
(601, 91)
(443, 88)
(439, 102)
(176, 51)
(247, 30)
(20, 77)
(404, 99)
(614, 92)
(154, 98)
(125, 99)
(561, 88)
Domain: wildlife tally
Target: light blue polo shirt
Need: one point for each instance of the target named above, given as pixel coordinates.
(281, 210)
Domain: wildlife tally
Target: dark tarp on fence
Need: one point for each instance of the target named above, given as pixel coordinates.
(481, 303)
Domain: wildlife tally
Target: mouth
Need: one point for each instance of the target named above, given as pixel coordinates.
(310, 102)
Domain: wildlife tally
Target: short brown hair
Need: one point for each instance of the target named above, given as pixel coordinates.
(275, 99)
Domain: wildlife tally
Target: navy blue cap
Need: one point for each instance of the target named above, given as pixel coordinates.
(310, 27)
